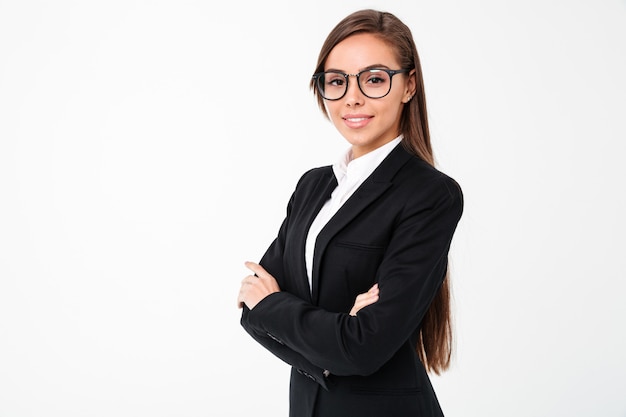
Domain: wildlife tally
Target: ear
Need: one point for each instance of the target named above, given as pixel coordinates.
(411, 86)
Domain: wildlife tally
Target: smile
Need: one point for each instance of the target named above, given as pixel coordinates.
(357, 121)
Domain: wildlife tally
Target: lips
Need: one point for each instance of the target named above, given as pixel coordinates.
(357, 120)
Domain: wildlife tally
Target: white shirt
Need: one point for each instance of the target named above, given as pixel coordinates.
(350, 174)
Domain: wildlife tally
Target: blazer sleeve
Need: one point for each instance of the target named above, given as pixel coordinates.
(285, 353)
(409, 276)
(272, 262)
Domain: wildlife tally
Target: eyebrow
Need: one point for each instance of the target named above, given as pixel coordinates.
(369, 67)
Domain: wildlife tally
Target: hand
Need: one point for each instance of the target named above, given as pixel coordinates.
(365, 299)
(254, 288)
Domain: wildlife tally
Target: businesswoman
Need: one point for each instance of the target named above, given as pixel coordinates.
(353, 293)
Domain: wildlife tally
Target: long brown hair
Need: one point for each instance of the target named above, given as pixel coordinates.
(435, 340)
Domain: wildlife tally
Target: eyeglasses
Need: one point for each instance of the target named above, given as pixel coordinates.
(373, 83)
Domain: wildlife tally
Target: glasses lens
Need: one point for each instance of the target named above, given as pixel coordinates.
(332, 85)
(375, 83)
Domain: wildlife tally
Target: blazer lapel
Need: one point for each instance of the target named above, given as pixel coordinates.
(320, 194)
(374, 186)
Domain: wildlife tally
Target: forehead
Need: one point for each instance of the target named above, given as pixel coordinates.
(361, 51)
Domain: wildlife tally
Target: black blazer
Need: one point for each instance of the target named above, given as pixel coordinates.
(396, 230)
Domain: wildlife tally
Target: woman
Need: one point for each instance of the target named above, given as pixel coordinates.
(353, 293)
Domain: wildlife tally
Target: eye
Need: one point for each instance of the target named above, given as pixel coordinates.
(376, 78)
(334, 79)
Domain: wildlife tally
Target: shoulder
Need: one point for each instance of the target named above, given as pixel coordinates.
(422, 182)
(313, 176)
(429, 174)
(419, 173)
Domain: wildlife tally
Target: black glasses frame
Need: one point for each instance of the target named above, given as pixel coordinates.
(391, 73)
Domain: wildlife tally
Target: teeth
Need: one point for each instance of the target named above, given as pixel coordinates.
(355, 119)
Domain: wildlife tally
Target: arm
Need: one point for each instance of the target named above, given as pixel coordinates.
(256, 287)
(285, 353)
(273, 262)
(409, 276)
(269, 285)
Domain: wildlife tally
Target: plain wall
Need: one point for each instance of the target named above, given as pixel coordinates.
(148, 149)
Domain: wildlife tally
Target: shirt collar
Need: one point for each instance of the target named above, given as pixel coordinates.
(363, 166)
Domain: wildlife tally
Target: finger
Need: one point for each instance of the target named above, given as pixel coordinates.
(363, 302)
(257, 269)
(358, 305)
(249, 279)
(369, 300)
(360, 297)
(246, 284)
(370, 293)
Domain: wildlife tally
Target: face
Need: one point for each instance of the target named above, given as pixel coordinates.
(367, 123)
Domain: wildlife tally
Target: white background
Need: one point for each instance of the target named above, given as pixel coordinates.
(148, 148)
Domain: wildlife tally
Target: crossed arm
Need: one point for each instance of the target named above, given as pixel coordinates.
(255, 288)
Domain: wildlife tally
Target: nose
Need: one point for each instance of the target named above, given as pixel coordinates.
(354, 95)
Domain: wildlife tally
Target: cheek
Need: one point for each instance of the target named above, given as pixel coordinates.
(334, 112)
(392, 110)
